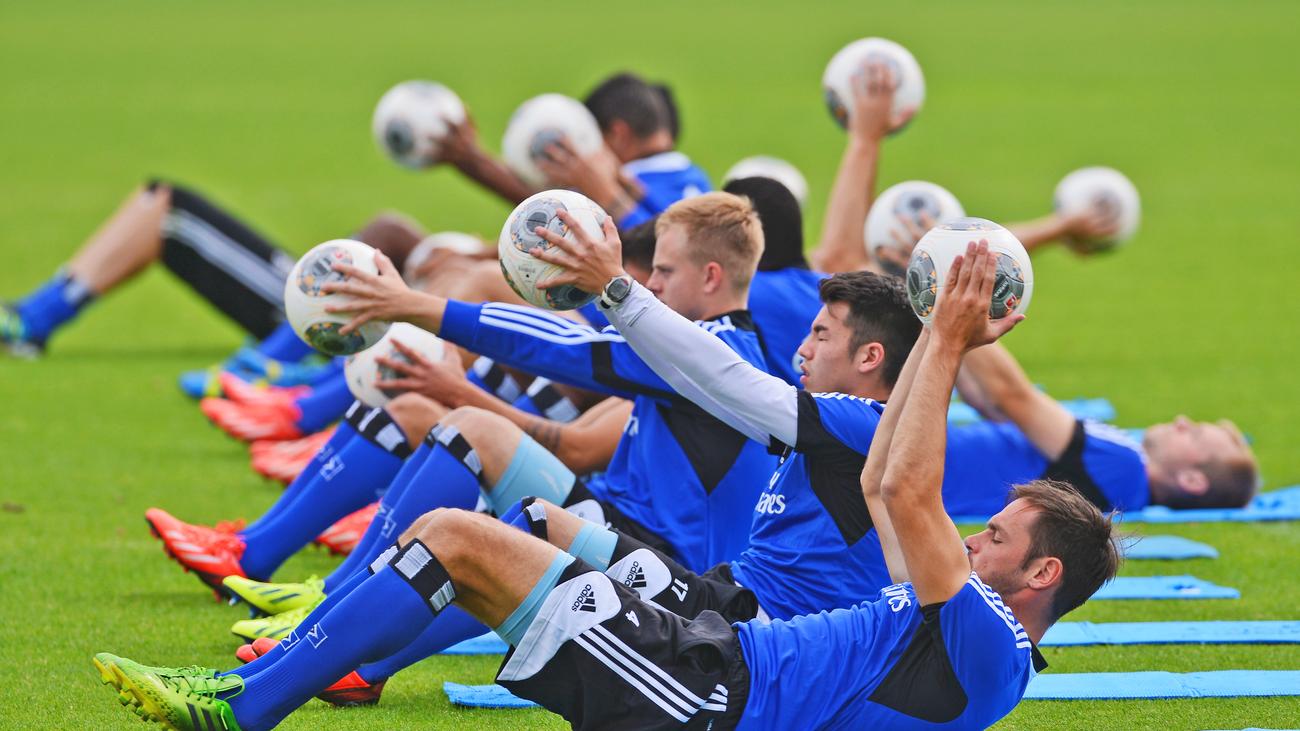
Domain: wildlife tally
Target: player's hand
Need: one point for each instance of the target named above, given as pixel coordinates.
(595, 175)
(460, 145)
(961, 317)
(894, 259)
(873, 101)
(590, 262)
(382, 296)
(440, 379)
(1089, 224)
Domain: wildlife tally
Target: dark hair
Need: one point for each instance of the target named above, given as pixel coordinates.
(639, 245)
(782, 221)
(628, 97)
(670, 103)
(1073, 530)
(879, 312)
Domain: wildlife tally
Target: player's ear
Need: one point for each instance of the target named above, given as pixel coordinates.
(869, 357)
(714, 277)
(1192, 481)
(619, 133)
(1046, 572)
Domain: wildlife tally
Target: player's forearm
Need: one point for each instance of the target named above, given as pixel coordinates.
(424, 310)
(493, 174)
(914, 472)
(874, 470)
(705, 370)
(997, 379)
(842, 247)
(1039, 231)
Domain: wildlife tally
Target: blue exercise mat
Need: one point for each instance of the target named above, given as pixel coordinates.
(1070, 634)
(1282, 504)
(1166, 547)
(1164, 587)
(488, 644)
(1211, 684)
(484, 696)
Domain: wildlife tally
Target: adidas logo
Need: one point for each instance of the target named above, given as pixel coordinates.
(635, 577)
(586, 601)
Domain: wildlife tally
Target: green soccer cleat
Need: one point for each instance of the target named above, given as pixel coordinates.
(183, 699)
(268, 599)
(13, 334)
(276, 626)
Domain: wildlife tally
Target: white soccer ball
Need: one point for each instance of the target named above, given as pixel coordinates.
(916, 200)
(934, 253)
(541, 121)
(837, 80)
(304, 303)
(412, 118)
(461, 243)
(362, 370)
(518, 238)
(762, 166)
(1107, 191)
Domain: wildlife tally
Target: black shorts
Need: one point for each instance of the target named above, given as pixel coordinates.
(602, 658)
(582, 503)
(226, 262)
(662, 581)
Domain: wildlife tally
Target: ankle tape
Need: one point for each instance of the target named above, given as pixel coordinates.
(417, 565)
(499, 383)
(378, 428)
(453, 441)
(553, 404)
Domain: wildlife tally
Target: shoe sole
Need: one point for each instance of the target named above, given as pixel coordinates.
(212, 581)
(131, 696)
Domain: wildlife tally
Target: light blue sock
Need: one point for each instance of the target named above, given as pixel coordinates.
(533, 472)
(512, 630)
(594, 544)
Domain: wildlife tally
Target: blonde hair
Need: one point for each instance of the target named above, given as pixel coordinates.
(722, 228)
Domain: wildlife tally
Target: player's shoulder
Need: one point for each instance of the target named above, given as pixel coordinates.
(845, 403)
(979, 610)
(1105, 434)
(850, 421)
(672, 162)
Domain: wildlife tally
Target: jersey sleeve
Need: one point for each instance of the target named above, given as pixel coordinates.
(704, 369)
(1070, 468)
(988, 649)
(833, 421)
(552, 347)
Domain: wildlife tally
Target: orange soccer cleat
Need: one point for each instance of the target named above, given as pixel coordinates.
(211, 554)
(343, 536)
(237, 389)
(249, 422)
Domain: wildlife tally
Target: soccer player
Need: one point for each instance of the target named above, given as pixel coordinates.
(951, 645)
(1181, 464)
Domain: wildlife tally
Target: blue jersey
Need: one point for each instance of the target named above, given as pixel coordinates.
(812, 545)
(678, 471)
(666, 178)
(984, 460)
(784, 303)
(889, 663)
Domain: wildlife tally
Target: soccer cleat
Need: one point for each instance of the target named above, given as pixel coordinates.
(285, 460)
(230, 526)
(183, 699)
(277, 372)
(343, 536)
(276, 626)
(267, 599)
(211, 554)
(248, 422)
(350, 690)
(236, 388)
(13, 333)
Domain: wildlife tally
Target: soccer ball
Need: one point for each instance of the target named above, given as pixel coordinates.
(933, 255)
(411, 119)
(762, 166)
(518, 238)
(304, 303)
(361, 370)
(1106, 190)
(461, 243)
(910, 199)
(541, 121)
(837, 81)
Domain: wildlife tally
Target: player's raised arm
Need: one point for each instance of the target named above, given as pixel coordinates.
(929, 542)
(1009, 391)
(696, 363)
(842, 247)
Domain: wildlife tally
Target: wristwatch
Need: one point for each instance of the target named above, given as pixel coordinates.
(616, 291)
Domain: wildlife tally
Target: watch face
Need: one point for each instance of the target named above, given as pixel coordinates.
(617, 289)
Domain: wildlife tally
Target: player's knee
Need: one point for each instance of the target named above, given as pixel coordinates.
(451, 534)
(478, 426)
(415, 414)
(392, 233)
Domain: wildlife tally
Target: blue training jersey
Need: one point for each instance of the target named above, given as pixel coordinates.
(889, 663)
(679, 472)
(812, 545)
(984, 460)
(666, 178)
(784, 303)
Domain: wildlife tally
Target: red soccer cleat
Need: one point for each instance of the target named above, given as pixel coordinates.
(238, 390)
(230, 526)
(248, 422)
(350, 690)
(209, 553)
(343, 536)
(284, 461)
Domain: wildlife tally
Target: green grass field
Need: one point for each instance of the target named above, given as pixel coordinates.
(266, 106)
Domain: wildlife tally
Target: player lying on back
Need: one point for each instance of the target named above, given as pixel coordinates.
(950, 646)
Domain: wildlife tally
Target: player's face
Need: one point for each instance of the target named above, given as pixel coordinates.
(827, 363)
(998, 552)
(675, 279)
(1184, 444)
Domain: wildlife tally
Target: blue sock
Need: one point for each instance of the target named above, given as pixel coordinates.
(380, 617)
(51, 305)
(444, 480)
(346, 481)
(324, 405)
(283, 344)
(494, 379)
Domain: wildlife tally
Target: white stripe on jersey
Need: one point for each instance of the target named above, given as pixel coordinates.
(995, 603)
(839, 396)
(1112, 434)
(571, 338)
(664, 162)
(530, 321)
